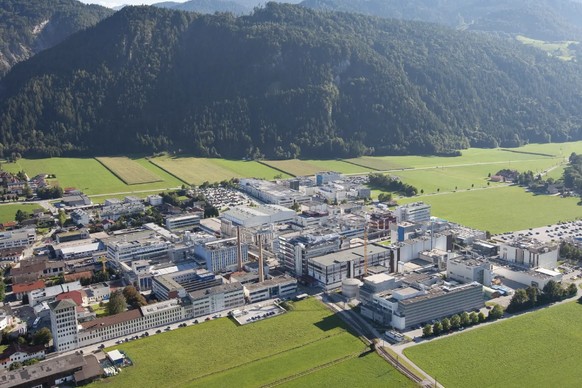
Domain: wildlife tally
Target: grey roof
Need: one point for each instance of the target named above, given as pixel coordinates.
(349, 254)
(62, 304)
(223, 288)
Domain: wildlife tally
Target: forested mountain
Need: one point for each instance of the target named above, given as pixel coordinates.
(539, 19)
(207, 6)
(237, 7)
(285, 81)
(29, 26)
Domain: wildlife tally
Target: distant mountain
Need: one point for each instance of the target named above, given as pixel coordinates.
(539, 19)
(237, 7)
(207, 6)
(283, 82)
(30, 26)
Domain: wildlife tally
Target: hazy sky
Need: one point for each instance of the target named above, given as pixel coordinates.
(115, 3)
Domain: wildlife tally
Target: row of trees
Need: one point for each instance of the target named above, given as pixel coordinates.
(458, 321)
(385, 183)
(532, 297)
(570, 251)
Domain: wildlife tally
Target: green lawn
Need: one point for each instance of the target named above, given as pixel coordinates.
(533, 350)
(88, 175)
(198, 170)
(218, 353)
(559, 49)
(128, 171)
(500, 209)
(8, 211)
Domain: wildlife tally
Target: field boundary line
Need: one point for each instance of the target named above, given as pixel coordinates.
(311, 370)
(343, 331)
(98, 159)
(275, 168)
(359, 165)
(168, 172)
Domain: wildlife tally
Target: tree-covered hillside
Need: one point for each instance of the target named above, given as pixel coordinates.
(30, 26)
(284, 82)
(539, 19)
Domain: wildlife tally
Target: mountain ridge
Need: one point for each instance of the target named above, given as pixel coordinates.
(283, 82)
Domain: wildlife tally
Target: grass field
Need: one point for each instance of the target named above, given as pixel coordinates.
(533, 350)
(130, 172)
(8, 211)
(218, 353)
(89, 175)
(500, 209)
(198, 170)
(297, 167)
(559, 49)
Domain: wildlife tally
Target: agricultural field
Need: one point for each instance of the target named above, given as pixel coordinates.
(298, 167)
(130, 172)
(216, 353)
(195, 171)
(88, 175)
(532, 350)
(8, 211)
(500, 209)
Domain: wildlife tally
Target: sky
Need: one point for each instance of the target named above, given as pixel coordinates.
(115, 3)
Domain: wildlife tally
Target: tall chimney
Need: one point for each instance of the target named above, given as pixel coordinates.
(261, 272)
(238, 249)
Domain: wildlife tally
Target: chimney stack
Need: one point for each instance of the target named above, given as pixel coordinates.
(261, 272)
(238, 249)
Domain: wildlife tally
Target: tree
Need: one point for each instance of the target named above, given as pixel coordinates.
(437, 328)
(446, 323)
(20, 215)
(427, 330)
(133, 297)
(474, 318)
(553, 291)
(481, 317)
(42, 337)
(495, 313)
(533, 294)
(62, 217)
(455, 322)
(15, 365)
(519, 301)
(572, 290)
(465, 321)
(117, 303)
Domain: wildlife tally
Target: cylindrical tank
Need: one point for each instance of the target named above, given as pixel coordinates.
(351, 287)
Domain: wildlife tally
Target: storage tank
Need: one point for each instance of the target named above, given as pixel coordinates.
(350, 288)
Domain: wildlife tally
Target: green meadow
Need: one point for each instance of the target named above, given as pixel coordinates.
(537, 349)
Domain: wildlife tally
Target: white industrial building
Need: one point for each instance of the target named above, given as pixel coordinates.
(272, 193)
(218, 298)
(183, 221)
(141, 245)
(276, 287)
(413, 212)
(17, 238)
(330, 270)
(529, 253)
(221, 255)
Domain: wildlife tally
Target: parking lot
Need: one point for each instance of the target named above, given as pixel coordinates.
(257, 312)
(564, 231)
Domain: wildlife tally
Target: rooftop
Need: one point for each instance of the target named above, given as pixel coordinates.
(24, 376)
(349, 254)
(223, 288)
(111, 320)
